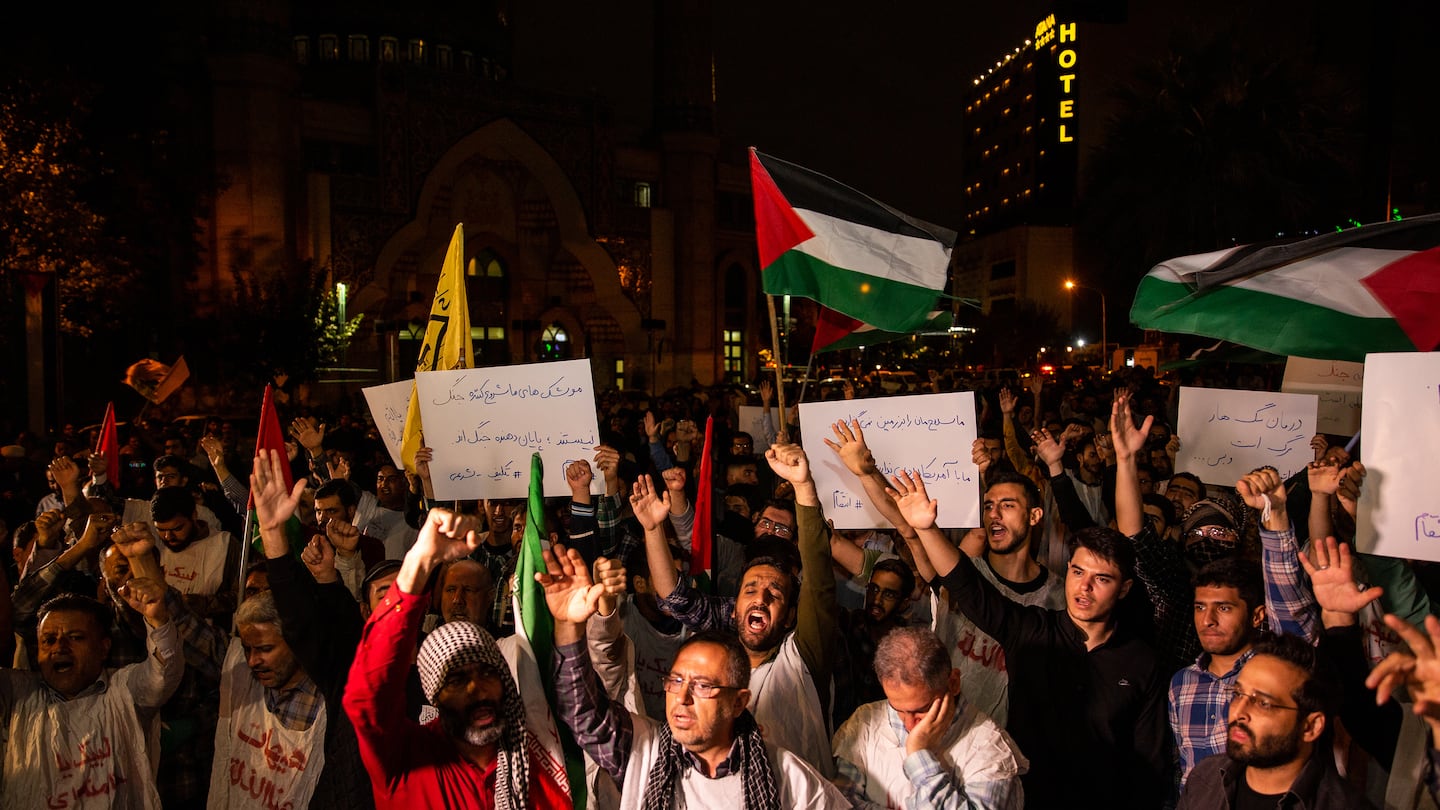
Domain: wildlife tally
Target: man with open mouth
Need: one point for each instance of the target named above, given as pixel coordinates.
(784, 621)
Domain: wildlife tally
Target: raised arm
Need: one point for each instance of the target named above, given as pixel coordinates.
(818, 611)
(152, 681)
(1288, 600)
(849, 445)
(1128, 443)
(375, 690)
(601, 726)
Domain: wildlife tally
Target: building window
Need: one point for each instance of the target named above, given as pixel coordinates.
(467, 61)
(416, 51)
(329, 47)
(734, 355)
(620, 374)
(443, 58)
(554, 343)
(302, 50)
(485, 264)
(641, 195)
(359, 48)
(389, 49)
(1005, 269)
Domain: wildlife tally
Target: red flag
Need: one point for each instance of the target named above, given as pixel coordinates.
(700, 556)
(109, 446)
(269, 436)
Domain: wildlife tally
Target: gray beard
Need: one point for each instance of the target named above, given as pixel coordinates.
(485, 736)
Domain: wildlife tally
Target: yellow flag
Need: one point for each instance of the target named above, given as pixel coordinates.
(447, 337)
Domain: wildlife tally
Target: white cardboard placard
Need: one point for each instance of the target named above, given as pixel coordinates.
(1399, 510)
(484, 423)
(1224, 433)
(1338, 385)
(931, 433)
(389, 405)
(751, 418)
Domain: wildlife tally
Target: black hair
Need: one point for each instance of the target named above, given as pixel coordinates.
(180, 464)
(75, 603)
(339, 488)
(1194, 479)
(1319, 691)
(1008, 476)
(1167, 509)
(170, 503)
(899, 569)
(776, 553)
(1109, 545)
(1234, 572)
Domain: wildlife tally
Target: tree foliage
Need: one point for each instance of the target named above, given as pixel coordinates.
(46, 224)
(289, 321)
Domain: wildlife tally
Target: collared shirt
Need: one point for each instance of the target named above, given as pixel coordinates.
(988, 780)
(1317, 787)
(296, 707)
(1199, 701)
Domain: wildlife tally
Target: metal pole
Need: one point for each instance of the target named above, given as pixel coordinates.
(784, 433)
(1104, 335)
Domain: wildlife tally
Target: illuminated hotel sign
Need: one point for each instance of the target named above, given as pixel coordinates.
(1046, 32)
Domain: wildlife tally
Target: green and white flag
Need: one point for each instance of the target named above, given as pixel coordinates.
(822, 240)
(1332, 297)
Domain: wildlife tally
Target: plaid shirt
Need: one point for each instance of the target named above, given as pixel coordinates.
(699, 611)
(1200, 701)
(296, 707)
(935, 786)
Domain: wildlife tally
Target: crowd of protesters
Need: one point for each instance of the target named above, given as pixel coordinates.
(1114, 633)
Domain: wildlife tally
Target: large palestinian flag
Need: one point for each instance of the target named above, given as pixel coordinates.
(823, 240)
(1332, 297)
(834, 331)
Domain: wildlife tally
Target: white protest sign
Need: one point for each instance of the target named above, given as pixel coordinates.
(484, 423)
(1225, 434)
(931, 433)
(752, 421)
(1399, 513)
(389, 404)
(1337, 383)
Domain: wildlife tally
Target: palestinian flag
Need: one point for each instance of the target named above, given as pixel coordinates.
(535, 646)
(1334, 297)
(701, 538)
(270, 436)
(109, 445)
(825, 241)
(834, 331)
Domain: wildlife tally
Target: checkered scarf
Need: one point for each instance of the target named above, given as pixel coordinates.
(757, 777)
(460, 644)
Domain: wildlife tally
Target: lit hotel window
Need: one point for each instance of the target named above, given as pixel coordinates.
(329, 47)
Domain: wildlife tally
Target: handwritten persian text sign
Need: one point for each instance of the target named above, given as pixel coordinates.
(931, 433)
(1338, 386)
(1225, 434)
(1400, 440)
(388, 405)
(484, 423)
(752, 421)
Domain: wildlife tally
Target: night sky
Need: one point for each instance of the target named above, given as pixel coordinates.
(868, 92)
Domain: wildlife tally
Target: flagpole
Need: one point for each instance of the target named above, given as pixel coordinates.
(784, 432)
(244, 560)
(805, 381)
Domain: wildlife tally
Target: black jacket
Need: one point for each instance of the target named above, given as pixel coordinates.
(1093, 723)
(1215, 781)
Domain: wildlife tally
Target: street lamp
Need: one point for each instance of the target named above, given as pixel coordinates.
(1104, 334)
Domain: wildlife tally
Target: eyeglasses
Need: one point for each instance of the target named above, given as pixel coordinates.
(675, 685)
(1212, 532)
(768, 526)
(1260, 702)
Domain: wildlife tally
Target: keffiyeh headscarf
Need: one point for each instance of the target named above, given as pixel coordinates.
(756, 776)
(460, 644)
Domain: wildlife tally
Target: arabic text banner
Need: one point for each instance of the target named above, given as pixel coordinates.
(931, 433)
(389, 405)
(1399, 510)
(1225, 434)
(1336, 383)
(484, 423)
